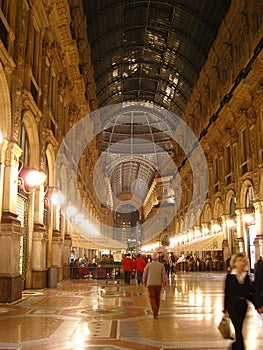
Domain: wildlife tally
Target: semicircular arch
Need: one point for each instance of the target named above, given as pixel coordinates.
(218, 208)
(246, 184)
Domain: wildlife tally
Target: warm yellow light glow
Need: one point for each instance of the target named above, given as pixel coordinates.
(197, 233)
(190, 235)
(216, 228)
(173, 242)
(150, 247)
(230, 223)
(248, 218)
(35, 178)
(205, 230)
(1, 137)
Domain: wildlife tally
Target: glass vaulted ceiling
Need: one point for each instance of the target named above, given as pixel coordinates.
(151, 50)
(145, 52)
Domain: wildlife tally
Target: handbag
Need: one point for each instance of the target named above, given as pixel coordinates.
(225, 328)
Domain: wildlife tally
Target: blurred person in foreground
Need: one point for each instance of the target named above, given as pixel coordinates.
(238, 290)
(154, 278)
(258, 287)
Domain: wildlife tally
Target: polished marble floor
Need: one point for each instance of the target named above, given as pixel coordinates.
(89, 314)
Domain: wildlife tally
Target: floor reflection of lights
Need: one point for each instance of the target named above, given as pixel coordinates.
(4, 310)
(100, 315)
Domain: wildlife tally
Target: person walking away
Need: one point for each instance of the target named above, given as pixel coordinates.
(139, 266)
(258, 287)
(127, 267)
(237, 292)
(154, 278)
(173, 259)
(167, 264)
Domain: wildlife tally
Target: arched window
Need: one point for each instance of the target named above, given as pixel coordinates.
(249, 197)
(232, 206)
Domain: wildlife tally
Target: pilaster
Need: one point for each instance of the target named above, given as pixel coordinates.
(66, 255)
(56, 253)
(39, 248)
(10, 229)
(240, 246)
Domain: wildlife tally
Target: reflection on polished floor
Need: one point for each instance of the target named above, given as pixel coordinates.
(106, 314)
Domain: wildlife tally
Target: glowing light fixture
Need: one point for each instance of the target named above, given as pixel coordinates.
(230, 223)
(30, 179)
(35, 178)
(248, 218)
(216, 228)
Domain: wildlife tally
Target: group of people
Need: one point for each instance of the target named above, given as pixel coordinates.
(238, 289)
(130, 265)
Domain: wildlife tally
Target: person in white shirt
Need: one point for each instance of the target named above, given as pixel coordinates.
(154, 278)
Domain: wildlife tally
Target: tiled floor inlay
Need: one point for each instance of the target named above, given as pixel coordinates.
(91, 314)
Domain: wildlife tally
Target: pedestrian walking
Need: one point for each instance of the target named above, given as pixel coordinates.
(139, 266)
(127, 267)
(237, 291)
(154, 278)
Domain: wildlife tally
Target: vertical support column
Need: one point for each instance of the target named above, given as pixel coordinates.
(10, 228)
(81, 252)
(225, 243)
(66, 255)
(240, 246)
(39, 242)
(56, 242)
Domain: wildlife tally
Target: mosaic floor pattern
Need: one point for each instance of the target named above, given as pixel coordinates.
(90, 314)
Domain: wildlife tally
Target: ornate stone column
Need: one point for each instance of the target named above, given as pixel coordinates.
(10, 227)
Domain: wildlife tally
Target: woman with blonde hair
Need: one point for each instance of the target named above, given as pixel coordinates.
(238, 290)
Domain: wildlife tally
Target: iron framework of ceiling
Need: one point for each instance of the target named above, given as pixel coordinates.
(150, 50)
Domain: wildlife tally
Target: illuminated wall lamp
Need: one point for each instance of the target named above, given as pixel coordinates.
(216, 228)
(230, 223)
(248, 219)
(33, 179)
(205, 230)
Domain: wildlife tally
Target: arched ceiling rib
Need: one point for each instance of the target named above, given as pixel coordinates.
(150, 50)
